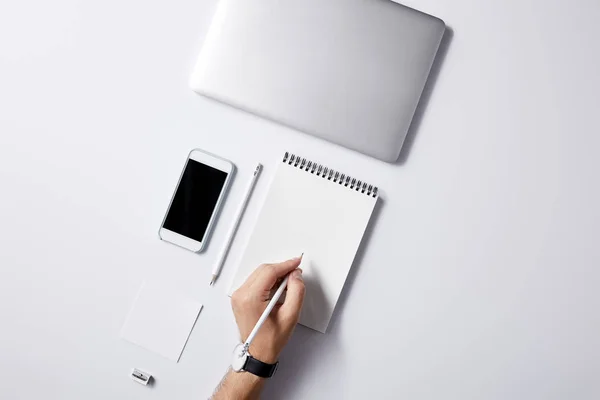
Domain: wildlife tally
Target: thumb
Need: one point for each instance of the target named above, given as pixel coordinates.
(290, 309)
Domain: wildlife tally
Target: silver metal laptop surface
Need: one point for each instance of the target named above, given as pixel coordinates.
(348, 71)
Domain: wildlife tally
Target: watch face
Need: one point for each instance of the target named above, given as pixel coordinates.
(239, 358)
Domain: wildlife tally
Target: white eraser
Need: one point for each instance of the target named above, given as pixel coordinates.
(140, 376)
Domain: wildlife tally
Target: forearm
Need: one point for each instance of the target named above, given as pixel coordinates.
(239, 385)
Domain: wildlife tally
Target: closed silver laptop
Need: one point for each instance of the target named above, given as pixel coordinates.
(348, 71)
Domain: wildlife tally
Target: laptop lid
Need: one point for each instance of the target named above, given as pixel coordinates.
(348, 71)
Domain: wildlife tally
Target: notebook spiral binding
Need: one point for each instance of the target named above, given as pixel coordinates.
(330, 174)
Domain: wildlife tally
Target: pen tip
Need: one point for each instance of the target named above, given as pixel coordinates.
(212, 280)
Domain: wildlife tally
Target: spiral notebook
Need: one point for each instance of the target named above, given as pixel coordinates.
(318, 211)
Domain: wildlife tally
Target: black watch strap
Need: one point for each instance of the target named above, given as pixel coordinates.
(259, 368)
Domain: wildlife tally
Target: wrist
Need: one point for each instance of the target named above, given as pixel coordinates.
(264, 353)
(250, 379)
(243, 386)
(243, 360)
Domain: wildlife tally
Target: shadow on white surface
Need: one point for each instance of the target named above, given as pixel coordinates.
(306, 345)
(316, 300)
(427, 91)
(358, 260)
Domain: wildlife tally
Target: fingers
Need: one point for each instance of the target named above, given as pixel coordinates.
(284, 268)
(267, 275)
(290, 309)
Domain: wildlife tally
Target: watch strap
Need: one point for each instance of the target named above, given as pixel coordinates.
(259, 368)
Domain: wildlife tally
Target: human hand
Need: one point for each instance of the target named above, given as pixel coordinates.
(251, 299)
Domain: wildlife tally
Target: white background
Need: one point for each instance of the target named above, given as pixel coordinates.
(478, 278)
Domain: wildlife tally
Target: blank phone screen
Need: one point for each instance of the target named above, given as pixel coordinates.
(195, 200)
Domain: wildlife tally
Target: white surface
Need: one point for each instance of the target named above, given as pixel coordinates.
(309, 213)
(161, 320)
(484, 250)
(349, 71)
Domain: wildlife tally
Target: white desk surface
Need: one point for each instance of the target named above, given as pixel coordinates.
(478, 279)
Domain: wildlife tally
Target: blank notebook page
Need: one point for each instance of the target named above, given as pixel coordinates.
(323, 213)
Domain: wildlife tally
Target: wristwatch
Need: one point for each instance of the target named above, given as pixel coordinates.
(243, 361)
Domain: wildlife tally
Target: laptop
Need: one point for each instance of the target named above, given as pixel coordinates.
(347, 71)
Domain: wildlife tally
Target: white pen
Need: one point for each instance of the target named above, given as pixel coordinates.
(236, 223)
(266, 313)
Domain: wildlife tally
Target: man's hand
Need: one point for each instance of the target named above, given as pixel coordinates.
(248, 303)
(251, 299)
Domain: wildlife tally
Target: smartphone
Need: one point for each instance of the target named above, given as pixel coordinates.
(196, 201)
